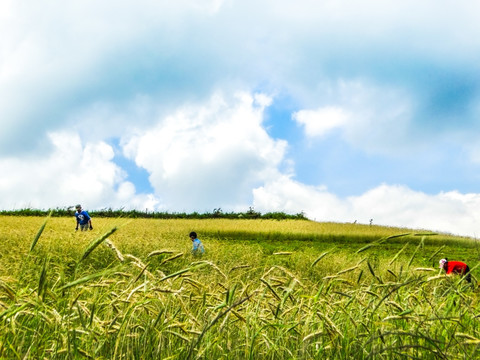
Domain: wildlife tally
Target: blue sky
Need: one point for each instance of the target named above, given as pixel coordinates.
(345, 111)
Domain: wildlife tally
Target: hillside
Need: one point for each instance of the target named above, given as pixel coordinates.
(264, 289)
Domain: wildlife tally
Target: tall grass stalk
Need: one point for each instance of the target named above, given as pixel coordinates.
(95, 243)
(39, 233)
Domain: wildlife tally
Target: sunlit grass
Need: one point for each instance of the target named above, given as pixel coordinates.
(264, 289)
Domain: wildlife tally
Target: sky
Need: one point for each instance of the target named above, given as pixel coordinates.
(346, 111)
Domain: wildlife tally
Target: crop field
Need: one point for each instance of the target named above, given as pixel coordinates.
(264, 289)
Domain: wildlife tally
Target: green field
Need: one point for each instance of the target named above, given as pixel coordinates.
(265, 289)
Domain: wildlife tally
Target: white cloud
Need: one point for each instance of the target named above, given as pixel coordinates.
(388, 205)
(73, 172)
(319, 122)
(370, 117)
(204, 157)
(286, 194)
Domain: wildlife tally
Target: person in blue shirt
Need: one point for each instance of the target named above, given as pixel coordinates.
(197, 246)
(83, 219)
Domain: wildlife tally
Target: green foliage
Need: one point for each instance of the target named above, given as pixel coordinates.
(136, 214)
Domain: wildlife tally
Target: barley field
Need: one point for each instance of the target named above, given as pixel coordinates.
(264, 289)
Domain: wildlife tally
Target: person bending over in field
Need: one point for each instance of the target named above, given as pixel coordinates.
(83, 219)
(197, 246)
(456, 267)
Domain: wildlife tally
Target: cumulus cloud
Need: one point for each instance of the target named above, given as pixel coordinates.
(389, 205)
(206, 156)
(398, 205)
(286, 194)
(321, 121)
(73, 172)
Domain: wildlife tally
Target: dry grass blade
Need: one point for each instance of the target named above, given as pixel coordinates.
(123, 274)
(139, 264)
(194, 283)
(136, 289)
(394, 304)
(424, 269)
(329, 277)
(159, 252)
(313, 335)
(436, 277)
(184, 338)
(466, 336)
(134, 258)
(205, 262)
(171, 258)
(117, 252)
(240, 267)
(175, 274)
(471, 342)
(284, 270)
(7, 290)
(330, 323)
(348, 270)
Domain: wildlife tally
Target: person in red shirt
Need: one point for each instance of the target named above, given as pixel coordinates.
(456, 267)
